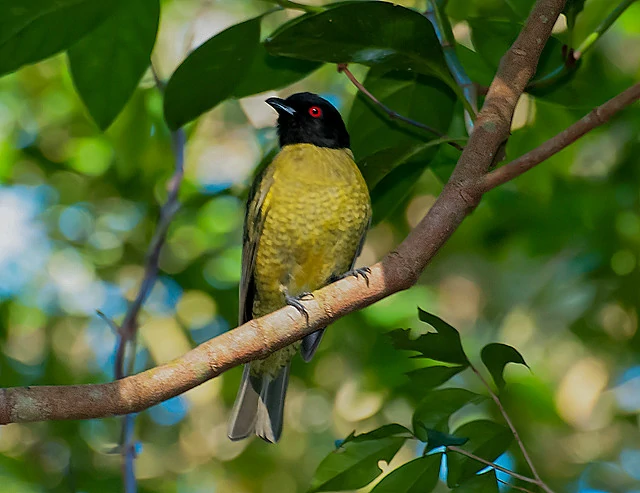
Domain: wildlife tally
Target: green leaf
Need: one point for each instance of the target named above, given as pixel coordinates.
(211, 73)
(482, 483)
(421, 98)
(386, 431)
(267, 72)
(493, 37)
(108, 63)
(393, 154)
(443, 345)
(437, 406)
(487, 440)
(433, 376)
(496, 356)
(32, 30)
(437, 439)
(416, 476)
(355, 463)
(370, 33)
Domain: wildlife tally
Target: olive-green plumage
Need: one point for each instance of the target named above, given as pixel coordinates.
(306, 219)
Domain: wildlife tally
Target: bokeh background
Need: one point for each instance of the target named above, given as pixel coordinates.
(548, 264)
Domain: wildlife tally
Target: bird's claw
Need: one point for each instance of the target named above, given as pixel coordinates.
(294, 301)
(361, 271)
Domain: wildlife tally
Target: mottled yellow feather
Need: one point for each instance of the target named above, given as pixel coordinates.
(314, 207)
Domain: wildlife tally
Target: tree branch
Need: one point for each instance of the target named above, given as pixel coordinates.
(595, 118)
(399, 270)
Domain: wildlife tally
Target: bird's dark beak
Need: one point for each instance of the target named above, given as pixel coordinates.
(280, 106)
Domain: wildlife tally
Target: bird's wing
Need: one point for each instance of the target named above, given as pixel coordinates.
(255, 215)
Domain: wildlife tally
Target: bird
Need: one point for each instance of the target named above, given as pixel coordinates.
(305, 223)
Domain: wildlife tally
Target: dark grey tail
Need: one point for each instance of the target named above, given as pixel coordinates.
(259, 406)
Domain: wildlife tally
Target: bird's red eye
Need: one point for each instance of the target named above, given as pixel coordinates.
(315, 112)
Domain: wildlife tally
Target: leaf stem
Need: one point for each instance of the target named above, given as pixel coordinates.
(519, 488)
(441, 25)
(506, 417)
(461, 451)
(602, 28)
(342, 67)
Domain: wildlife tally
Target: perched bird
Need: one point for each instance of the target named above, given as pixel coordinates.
(306, 219)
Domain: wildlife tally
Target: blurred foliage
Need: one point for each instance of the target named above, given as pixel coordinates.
(547, 264)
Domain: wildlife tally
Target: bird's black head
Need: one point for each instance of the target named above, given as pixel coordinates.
(306, 118)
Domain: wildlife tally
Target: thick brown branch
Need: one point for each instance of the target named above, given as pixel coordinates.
(398, 271)
(594, 119)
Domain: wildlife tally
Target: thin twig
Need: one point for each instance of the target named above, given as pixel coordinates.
(602, 28)
(442, 27)
(128, 330)
(462, 451)
(516, 435)
(342, 67)
(515, 487)
(593, 119)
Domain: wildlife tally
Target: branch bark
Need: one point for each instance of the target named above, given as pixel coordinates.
(598, 116)
(398, 271)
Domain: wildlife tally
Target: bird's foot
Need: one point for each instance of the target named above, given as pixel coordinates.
(295, 301)
(361, 271)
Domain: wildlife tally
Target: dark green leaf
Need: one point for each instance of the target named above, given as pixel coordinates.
(421, 98)
(492, 38)
(32, 30)
(417, 476)
(496, 356)
(393, 154)
(483, 483)
(437, 439)
(487, 440)
(211, 73)
(394, 189)
(107, 64)
(571, 10)
(436, 408)
(370, 33)
(355, 463)
(443, 345)
(267, 72)
(433, 376)
(386, 431)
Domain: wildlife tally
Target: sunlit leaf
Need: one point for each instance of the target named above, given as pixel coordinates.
(211, 73)
(107, 64)
(443, 345)
(417, 476)
(32, 30)
(496, 356)
(355, 463)
(481, 483)
(437, 406)
(487, 440)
